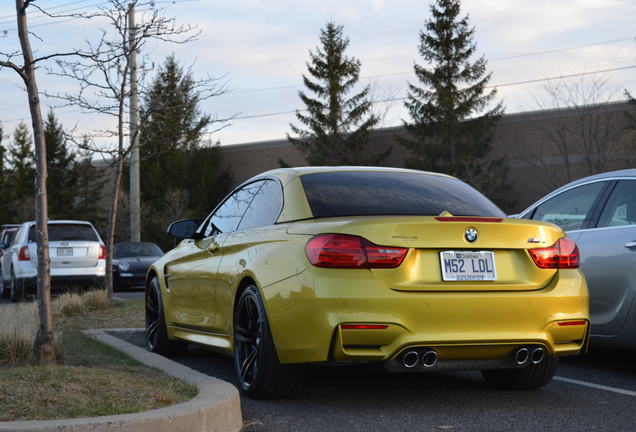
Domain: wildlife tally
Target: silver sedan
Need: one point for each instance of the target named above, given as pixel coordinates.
(599, 214)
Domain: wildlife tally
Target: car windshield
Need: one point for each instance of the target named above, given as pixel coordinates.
(359, 193)
(67, 232)
(136, 249)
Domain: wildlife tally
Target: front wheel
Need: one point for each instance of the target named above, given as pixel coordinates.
(530, 377)
(258, 371)
(156, 331)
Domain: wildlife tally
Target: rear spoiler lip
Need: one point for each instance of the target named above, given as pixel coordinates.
(467, 219)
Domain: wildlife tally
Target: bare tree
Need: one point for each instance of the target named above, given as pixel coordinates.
(103, 79)
(578, 133)
(44, 348)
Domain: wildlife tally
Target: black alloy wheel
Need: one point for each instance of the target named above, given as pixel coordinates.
(156, 332)
(258, 371)
(248, 333)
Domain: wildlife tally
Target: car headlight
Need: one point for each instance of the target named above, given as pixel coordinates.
(123, 266)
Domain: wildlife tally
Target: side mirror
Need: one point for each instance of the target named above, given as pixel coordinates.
(184, 229)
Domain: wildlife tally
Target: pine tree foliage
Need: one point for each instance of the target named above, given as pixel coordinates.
(450, 106)
(335, 128)
(61, 175)
(90, 182)
(20, 159)
(177, 163)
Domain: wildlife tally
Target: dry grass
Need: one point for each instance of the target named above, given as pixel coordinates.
(17, 333)
(93, 310)
(95, 299)
(67, 304)
(94, 379)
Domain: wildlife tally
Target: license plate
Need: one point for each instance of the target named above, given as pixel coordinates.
(468, 266)
(64, 251)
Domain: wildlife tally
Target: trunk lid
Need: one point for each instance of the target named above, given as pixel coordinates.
(427, 236)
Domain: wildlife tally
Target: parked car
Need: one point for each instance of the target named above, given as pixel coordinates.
(76, 251)
(7, 233)
(416, 270)
(131, 261)
(599, 214)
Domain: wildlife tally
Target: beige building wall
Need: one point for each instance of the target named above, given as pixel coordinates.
(535, 144)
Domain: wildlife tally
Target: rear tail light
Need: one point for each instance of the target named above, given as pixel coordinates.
(348, 251)
(102, 252)
(23, 255)
(564, 254)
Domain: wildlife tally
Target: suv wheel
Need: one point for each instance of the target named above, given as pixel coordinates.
(16, 289)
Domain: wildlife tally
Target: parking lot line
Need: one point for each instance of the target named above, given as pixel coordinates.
(596, 386)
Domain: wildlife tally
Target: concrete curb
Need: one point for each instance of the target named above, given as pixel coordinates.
(217, 407)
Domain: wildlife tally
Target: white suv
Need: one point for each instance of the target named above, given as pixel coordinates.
(77, 254)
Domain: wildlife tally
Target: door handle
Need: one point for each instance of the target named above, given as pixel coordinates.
(631, 244)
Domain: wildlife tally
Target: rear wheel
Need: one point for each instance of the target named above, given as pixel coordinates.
(258, 371)
(530, 377)
(16, 289)
(156, 331)
(4, 287)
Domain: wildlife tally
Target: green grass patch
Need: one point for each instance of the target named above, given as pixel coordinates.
(93, 379)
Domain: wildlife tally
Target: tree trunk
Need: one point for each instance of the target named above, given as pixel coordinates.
(44, 348)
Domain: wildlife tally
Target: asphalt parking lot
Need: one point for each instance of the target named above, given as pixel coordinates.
(596, 392)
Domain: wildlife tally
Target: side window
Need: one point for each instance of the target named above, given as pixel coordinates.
(265, 208)
(227, 217)
(621, 207)
(570, 208)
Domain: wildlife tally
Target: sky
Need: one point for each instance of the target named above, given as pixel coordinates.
(258, 49)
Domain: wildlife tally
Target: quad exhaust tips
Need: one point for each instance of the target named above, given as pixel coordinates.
(522, 355)
(426, 358)
(410, 359)
(526, 355)
(537, 355)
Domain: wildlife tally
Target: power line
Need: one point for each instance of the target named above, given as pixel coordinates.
(509, 84)
(51, 8)
(516, 56)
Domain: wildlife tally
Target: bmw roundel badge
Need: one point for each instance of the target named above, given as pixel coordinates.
(471, 234)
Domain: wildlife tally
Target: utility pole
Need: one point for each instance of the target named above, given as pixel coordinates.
(135, 203)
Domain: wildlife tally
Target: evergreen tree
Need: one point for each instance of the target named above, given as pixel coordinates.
(88, 191)
(22, 179)
(335, 129)
(175, 162)
(451, 124)
(61, 175)
(5, 215)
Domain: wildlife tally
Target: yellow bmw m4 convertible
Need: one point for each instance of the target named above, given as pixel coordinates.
(413, 269)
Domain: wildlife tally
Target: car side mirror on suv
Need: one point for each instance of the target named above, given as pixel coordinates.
(184, 229)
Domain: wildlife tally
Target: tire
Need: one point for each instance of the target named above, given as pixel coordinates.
(156, 331)
(16, 289)
(530, 377)
(4, 287)
(258, 372)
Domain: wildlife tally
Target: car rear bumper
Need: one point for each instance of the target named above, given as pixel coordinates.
(306, 314)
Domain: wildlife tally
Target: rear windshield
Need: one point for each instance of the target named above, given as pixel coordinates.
(67, 232)
(392, 193)
(136, 249)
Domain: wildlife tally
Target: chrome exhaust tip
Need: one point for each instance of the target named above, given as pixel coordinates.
(538, 354)
(429, 359)
(410, 359)
(522, 355)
